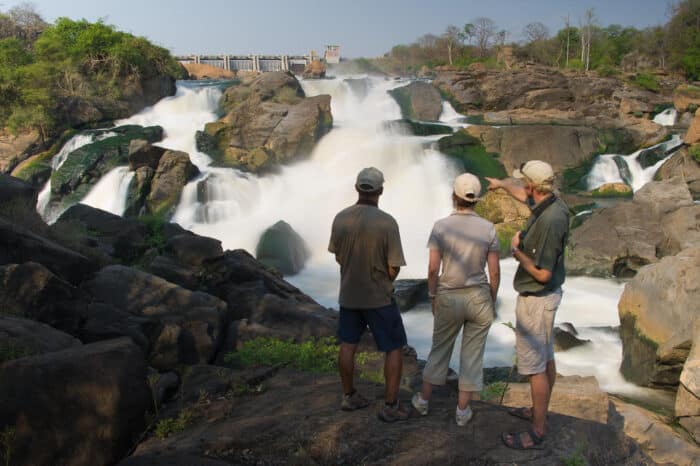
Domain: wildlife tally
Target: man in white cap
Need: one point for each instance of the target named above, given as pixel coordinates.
(462, 297)
(367, 245)
(539, 250)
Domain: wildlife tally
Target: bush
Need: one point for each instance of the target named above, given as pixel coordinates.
(316, 356)
(647, 81)
(493, 391)
(167, 427)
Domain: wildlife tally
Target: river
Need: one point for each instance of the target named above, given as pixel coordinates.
(307, 194)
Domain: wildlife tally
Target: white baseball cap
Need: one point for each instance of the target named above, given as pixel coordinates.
(369, 180)
(467, 187)
(538, 172)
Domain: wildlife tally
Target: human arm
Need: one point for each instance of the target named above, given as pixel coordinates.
(393, 272)
(541, 275)
(494, 265)
(512, 187)
(433, 271)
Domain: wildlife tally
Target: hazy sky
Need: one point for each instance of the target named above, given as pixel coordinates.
(361, 27)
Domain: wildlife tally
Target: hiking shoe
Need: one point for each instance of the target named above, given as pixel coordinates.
(393, 413)
(462, 418)
(353, 402)
(420, 404)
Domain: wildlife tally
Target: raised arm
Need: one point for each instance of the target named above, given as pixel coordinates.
(512, 187)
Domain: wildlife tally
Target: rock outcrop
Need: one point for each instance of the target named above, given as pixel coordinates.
(174, 171)
(268, 122)
(661, 221)
(418, 101)
(657, 311)
(85, 166)
(687, 408)
(281, 248)
(86, 405)
(685, 166)
(20, 338)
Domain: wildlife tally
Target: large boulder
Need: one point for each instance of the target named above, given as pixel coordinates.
(14, 148)
(191, 323)
(687, 407)
(31, 291)
(418, 101)
(685, 166)
(174, 171)
(84, 167)
(16, 193)
(20, 245)
(124, 239)
(657, 311)
(660, 221)
(282, 248)
(686, 97)
(23, 337)
(268, 122)
(84, 405)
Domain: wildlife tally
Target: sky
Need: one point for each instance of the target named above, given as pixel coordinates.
(363, 28)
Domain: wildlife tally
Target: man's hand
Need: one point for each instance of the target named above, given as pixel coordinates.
(494, 183)
(432, 306)
(515, 241)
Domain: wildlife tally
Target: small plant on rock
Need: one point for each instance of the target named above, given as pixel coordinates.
(7, 443)
(167, 427)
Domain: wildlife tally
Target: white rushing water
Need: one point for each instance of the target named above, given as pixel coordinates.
(450, 116)
(606, 170)
(111, 191)
(667, 117)
(236, 208)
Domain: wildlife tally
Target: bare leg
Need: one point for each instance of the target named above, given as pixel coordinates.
(541, 391)
(464, 399)
(551, 378)
(426, 391)
(393, 364)
(346, 365)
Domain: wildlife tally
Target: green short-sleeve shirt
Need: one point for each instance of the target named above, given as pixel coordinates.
(544, 242)
(365, 241)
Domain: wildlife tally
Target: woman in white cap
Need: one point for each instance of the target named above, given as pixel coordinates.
(462, 296)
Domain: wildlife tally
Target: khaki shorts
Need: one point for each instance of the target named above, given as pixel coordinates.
(534, 339)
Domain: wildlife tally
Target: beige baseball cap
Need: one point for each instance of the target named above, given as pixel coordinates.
(537, 171)
(467, 187)
(369, 179)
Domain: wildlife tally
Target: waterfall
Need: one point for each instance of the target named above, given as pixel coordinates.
(667, 117)
(636, 169)
(450, 116)
(111, 191)
(236, 207)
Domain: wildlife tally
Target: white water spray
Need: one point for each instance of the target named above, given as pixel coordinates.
(111, 191)
(605, 170)
(667, 117)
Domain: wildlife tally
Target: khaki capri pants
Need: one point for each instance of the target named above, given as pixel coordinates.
(471, 311)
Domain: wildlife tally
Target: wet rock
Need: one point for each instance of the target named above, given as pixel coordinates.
(565, 339)
(281, 248)
(85, 166)
(417, 128)
(143, 154)
(612, 190)
(418, 101)
(139, 188)
(408, 293)
(86, 404)
(657, 311)
(192, 322)
(192, 250)
(22, 337)
(174, 171)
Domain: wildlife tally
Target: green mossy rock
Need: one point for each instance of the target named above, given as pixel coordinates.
(472, 155)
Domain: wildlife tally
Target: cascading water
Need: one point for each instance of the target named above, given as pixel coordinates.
(237, 207)
(450, 116)
(667, 117)
(615, 168)
(111, 191)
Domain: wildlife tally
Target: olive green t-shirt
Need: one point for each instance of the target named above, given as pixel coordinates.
(365, 241)
(544, 242)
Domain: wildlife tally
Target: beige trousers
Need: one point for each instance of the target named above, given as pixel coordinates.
(469, 310)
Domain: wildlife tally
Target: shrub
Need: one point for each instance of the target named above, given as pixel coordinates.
(316, 356)
(493, 391)
(647, 81)
(167, 427)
